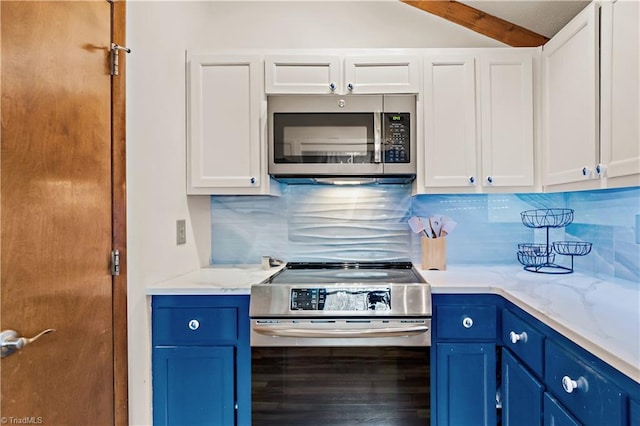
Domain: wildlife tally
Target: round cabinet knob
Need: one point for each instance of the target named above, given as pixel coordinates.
(341, 103)
(332, 86)
(489, 180)
(350, 87)
(586, 171)
(569, 385)
(194, 324)
(252, 180)
(467, 322)
(600, 169)
(515, 337)
(471, 180)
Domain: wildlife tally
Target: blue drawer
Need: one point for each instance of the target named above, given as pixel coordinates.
(194, 326)
(466, 322)
(596, 401)
(524, 341)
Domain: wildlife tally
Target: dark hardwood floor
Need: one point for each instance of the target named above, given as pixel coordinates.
(340, 386)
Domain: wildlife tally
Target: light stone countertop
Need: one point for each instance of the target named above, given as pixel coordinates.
(600, 314)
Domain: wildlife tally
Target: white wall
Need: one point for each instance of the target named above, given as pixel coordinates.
(159, 33)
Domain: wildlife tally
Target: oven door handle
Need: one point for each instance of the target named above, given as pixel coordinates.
(277, 331)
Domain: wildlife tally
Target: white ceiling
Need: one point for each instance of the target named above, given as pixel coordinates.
(545, 17)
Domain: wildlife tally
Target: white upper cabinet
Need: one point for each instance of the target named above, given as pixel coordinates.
(570, 102)
(224, 150)
(382, 74)
(303, 74)
(478, 122)
(449, 122)
(506, 99)
(620, 92)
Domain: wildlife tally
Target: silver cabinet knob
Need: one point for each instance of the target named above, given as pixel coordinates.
(332, 86)
(194, 324)
(467, 322)
(515, 337)
(586, 171)
(10, 342)
(252, 180)
(350, 87)
(489, 179)
(471, 180)
(600, 169)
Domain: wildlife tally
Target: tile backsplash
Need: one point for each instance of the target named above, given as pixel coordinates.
(331, 223)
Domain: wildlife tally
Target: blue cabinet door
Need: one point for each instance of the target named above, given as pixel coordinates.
(634, 413)
(465, 391)
(556, 415)
(521, 394)
(193, 385)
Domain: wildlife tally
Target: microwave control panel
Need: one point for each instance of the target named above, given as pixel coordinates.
(397, 136)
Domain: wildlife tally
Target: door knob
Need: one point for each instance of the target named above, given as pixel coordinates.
(10, 342)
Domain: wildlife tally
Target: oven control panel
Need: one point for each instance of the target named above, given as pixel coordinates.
(341, 299)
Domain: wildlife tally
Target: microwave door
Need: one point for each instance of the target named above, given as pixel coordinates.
(327, 143)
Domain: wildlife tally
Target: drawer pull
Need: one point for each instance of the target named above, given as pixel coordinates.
(515, 337)
(194, 324)
(467, 322)
(569, 385)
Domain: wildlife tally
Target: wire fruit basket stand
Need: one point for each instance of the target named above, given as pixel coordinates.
(541, 257)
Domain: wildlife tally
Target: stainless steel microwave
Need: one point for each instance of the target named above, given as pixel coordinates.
(324, 137)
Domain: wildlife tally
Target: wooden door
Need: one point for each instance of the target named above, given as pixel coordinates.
(57, 215)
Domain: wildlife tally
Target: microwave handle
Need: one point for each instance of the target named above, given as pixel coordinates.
(377, 138)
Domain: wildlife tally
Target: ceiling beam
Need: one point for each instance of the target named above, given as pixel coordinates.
(481, 22)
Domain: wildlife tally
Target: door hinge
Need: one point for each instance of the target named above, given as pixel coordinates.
(115, 52)
(115, 262)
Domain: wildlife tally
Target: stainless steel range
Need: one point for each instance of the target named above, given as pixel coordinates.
(342, 304)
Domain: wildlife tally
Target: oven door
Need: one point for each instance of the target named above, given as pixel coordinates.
(342, 373)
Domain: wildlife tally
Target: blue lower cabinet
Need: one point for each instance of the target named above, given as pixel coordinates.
(193, 385)
(201, 360)
(521, 394)
(634, 413)
(556, 415)
(465, 392)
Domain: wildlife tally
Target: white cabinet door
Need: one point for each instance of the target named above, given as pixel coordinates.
(382, 74)
(506, 99)
(570, 101)
(620, 90)
(450, 122)
(302, 74)
(310, 74)
(225, 96)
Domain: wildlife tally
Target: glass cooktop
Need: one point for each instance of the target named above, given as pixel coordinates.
(346, 273)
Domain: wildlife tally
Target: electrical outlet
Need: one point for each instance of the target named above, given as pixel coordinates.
(181, 232)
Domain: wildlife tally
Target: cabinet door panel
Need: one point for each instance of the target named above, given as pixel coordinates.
(382, 74)
(530, 348)
(302, 74)
(465, 384)
(556, 415)
(466, 322)
(521, 394)
(193, 385)
(506, 92)
(225, 95)
(634, 413)
(450, 122)
(571, 104)
(595, 401)
(620, 91)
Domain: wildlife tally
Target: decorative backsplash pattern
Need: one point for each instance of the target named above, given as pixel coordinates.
(332, 223)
